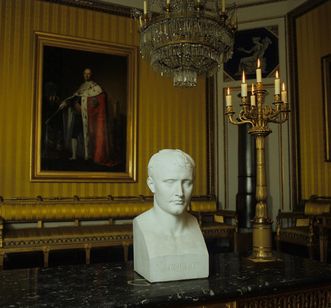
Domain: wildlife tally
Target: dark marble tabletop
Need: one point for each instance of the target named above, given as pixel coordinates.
(116, 285)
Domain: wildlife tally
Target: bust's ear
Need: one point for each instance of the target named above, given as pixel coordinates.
(150, 184)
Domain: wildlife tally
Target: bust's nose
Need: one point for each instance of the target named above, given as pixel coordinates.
(179, 191)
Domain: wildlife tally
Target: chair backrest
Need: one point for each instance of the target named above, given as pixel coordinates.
(318, 206)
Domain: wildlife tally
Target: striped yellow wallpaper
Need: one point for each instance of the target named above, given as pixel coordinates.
(313, 41)
(167, 117)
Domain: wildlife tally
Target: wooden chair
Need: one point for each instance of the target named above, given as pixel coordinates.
(219, 224)
(325, 231)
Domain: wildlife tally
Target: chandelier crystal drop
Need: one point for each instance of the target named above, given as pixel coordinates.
(186, 38)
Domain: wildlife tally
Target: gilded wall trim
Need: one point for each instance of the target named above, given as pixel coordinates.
(96, 5)
(308, 28)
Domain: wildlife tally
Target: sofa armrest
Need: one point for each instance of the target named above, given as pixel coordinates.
(299, 219)
(289, 215)
(290, 219)
(220, 216)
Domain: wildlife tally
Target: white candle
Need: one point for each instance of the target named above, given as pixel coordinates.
(284, 93)
(277, 84)
(253, 102)
(168, 2)
(228, 98)
(243, 86)
(223, 6)
(258, 71)
(145, 7)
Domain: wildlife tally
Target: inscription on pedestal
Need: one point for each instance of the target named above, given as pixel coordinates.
(179, 267)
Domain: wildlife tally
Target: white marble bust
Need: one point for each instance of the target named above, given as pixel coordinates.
(167, 240)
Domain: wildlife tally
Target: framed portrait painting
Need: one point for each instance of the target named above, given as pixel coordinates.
(84, 119)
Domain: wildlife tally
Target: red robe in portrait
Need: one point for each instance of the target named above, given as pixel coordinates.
(95, 117)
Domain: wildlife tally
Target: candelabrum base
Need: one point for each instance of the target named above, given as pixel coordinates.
(262, 243)
(264, 259)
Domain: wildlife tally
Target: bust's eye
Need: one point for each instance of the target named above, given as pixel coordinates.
(188, 183)
(169, 181)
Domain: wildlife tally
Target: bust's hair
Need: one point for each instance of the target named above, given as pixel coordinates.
(173, 156)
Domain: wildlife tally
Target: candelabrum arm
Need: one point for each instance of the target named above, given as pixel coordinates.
(237, 121)
(245, 117)
(279, 118)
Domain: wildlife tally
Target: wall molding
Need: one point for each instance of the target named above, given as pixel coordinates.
(96, 5)
(293, 77)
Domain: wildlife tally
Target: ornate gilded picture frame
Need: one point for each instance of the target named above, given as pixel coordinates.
(84, 117)
(326, 77)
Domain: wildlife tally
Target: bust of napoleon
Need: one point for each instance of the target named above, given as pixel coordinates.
(168, 243)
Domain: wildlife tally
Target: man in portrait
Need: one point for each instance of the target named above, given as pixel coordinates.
(86, 122)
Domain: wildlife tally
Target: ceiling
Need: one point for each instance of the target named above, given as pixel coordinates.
(247, 9)
(286, 4)
(241, 3)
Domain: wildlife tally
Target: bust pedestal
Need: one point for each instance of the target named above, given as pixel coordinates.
(161, 256)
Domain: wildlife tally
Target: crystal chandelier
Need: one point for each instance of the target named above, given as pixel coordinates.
(186, 38)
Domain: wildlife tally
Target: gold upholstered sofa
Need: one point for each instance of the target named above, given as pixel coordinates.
(49, 224)
(304, 228)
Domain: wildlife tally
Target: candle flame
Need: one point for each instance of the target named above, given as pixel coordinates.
(244, 77)
(283, 86)
(228, 91)
(258, 63)
(277, 76)
(252, 88)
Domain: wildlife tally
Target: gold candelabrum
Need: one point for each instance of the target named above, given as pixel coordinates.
(258, 115)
